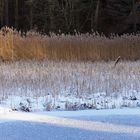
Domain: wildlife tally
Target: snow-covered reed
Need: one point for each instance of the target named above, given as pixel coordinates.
(39, 78)
(71, 84)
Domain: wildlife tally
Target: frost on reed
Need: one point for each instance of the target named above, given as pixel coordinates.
(14, 46)
(34, 78)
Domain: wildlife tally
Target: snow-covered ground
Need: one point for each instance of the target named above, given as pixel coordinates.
(117, 124)
(69, 101)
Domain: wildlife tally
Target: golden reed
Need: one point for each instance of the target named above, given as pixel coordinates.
(92, 47)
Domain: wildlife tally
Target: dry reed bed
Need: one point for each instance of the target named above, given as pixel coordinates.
(39, 78)
(91, 47)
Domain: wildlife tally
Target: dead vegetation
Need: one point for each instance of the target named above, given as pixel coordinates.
(14, 46)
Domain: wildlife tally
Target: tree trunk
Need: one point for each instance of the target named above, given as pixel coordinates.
(31, 15)
(16, 14)
(6, 12)
(96, 18)
(134, 15)
(1, 12)
(51, 16)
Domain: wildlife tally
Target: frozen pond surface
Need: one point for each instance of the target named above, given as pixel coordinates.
(71, 125)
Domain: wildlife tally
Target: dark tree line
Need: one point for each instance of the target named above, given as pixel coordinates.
(69, 16)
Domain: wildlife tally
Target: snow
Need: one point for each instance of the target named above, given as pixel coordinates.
(104, 112)
(119, 124)
(69, 101)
